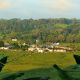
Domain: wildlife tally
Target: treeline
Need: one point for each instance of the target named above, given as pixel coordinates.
(44, 30)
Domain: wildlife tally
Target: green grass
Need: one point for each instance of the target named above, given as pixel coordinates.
(19, 60)
(23, 60)
(37, 63)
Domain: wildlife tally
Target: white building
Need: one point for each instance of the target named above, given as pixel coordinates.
(4, 48)
(14, 39)
(59, 50)
(40, 50)
(31, 49)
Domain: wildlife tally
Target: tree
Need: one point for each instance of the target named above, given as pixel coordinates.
(15, 46)
(1, 44)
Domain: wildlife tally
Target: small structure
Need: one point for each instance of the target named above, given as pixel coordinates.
(35, 48)
(4, 48)
(31, 49)
(62, 49)
(56, 44)
(14, 39)
(40, 50)
(48, 49)
(59, 50)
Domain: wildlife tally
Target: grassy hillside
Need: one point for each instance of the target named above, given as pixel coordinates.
(23, 64)
(23, 60)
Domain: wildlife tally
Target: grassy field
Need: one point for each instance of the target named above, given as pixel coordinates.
(19, 60)
(35, 64)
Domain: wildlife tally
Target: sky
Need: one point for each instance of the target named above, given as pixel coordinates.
(37, 9)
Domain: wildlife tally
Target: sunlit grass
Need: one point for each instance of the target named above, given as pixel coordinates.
(23, 60)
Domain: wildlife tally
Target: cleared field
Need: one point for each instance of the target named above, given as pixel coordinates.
(22, 60)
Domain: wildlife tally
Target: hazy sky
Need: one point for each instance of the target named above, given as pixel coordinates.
(39, 8)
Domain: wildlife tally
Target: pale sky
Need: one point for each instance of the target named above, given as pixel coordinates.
(39, 9)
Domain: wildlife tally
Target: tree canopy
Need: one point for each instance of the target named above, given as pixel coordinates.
(46, 30)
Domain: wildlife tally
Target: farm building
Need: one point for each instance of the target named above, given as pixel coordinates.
(62, 49)
(59, 50)
(31, 49)
(48, 50)
(14, 39)
(4, 48)
(36, 49)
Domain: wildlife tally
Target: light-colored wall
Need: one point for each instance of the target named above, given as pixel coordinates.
(59, 50)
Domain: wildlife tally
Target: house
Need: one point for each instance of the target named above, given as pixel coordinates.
(56, 44)
(48, 49)
(59, 50)
(31, 49)
(35, 48)
(40, 50)
(62, 49)
(14, 39)
(4, 48)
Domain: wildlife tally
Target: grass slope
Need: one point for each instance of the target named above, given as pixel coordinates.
(23, 60)
(19, 60)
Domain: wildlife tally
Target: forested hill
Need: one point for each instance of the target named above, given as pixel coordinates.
(46, 30)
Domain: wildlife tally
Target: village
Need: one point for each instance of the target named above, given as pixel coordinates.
(50, 48)
(53, 47)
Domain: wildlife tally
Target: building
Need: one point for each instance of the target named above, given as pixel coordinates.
(31, 49)
(14, 39)
(4, 48)
(59, 50)
(62, 49)
(40, 50)
(48, 49)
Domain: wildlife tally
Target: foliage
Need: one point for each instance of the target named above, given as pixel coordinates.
(46, 30)
(1, 44)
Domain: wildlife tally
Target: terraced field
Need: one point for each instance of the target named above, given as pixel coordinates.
(22, 60)
(19, 60)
